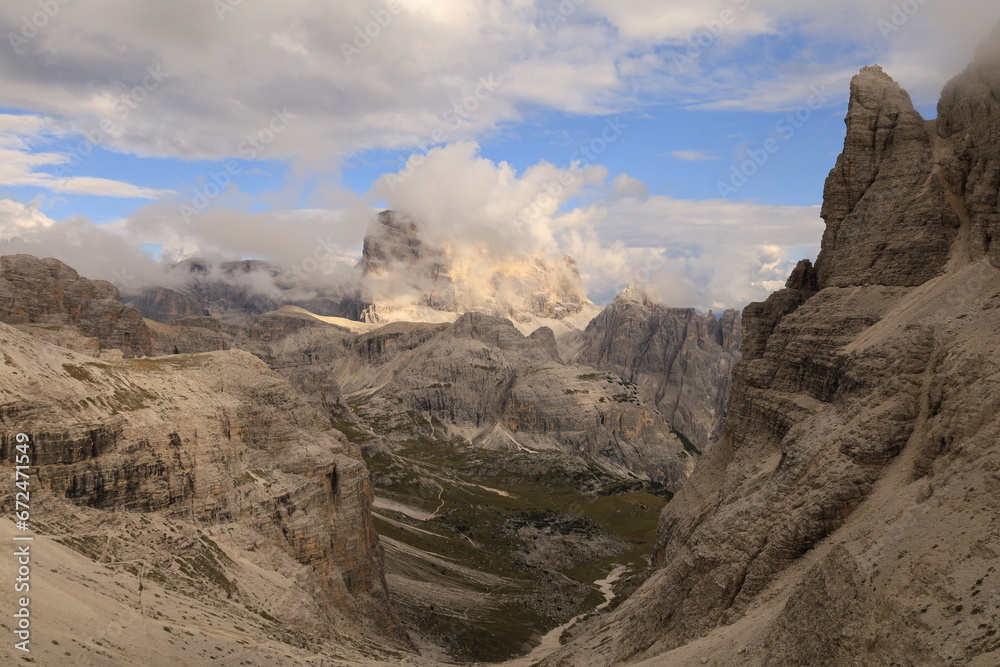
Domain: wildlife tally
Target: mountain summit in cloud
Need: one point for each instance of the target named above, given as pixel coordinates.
(405, 276)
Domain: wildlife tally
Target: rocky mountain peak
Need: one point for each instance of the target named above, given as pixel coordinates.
(861, 423)
(634, 294)
(405, 273)
(679, 359)
(888, 217)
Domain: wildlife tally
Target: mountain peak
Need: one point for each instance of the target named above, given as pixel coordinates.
(405, 270)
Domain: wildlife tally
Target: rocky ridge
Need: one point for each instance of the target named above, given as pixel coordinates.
(680, 360)
(222, 449)
(48, 293)
(848, 514)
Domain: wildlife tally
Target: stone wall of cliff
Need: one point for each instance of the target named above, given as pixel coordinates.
(849, 513)
(680, 360)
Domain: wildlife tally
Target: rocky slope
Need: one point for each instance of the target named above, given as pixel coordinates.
(681, 361)
(849, 513)
(207, 474)
(491, 385)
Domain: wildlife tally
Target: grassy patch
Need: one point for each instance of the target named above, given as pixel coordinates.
(79, 373)
(487, 496)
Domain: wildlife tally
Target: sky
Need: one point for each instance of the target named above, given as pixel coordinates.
(629, 135)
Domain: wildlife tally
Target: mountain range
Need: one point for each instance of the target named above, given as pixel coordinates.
(441, 462)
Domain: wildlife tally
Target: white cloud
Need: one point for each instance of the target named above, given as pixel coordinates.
(20, 135)
(723, 254)
(693, 156)
(224, 78)
(711, 254)
(624, 185)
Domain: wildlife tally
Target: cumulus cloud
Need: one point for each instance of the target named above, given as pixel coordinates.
(710, 254)
(19, 162)
(223, 76)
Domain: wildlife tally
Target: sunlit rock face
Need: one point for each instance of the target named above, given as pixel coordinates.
(405, 276)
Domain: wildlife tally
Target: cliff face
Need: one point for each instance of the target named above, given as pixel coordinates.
(681, 361)
(849, 513)
(217, 443)
(888, 216)
(500, 389)
(47, 292)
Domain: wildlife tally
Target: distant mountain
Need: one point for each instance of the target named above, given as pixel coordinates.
(232, 292)
(681, 361)
(405, 277)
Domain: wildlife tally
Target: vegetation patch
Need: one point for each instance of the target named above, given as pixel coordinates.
(79, 373)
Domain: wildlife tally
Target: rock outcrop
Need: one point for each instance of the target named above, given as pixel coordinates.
(849, 513)
(968, 126)
(217, 442)
(47, 292)
(488, 383)
(888, 217)
(680, 360)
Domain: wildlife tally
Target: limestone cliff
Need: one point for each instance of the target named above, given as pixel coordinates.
(681, 361)
(849, 513)
(47, 292)
(492, 385)
(216, 444)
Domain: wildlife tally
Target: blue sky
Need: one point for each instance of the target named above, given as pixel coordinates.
(235, 129)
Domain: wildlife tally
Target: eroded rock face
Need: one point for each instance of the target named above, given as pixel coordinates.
(47, 292)
(888, 220)
(500, 389)
(969, 121)
(680, 360)
(217, 440)
(849, 513)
